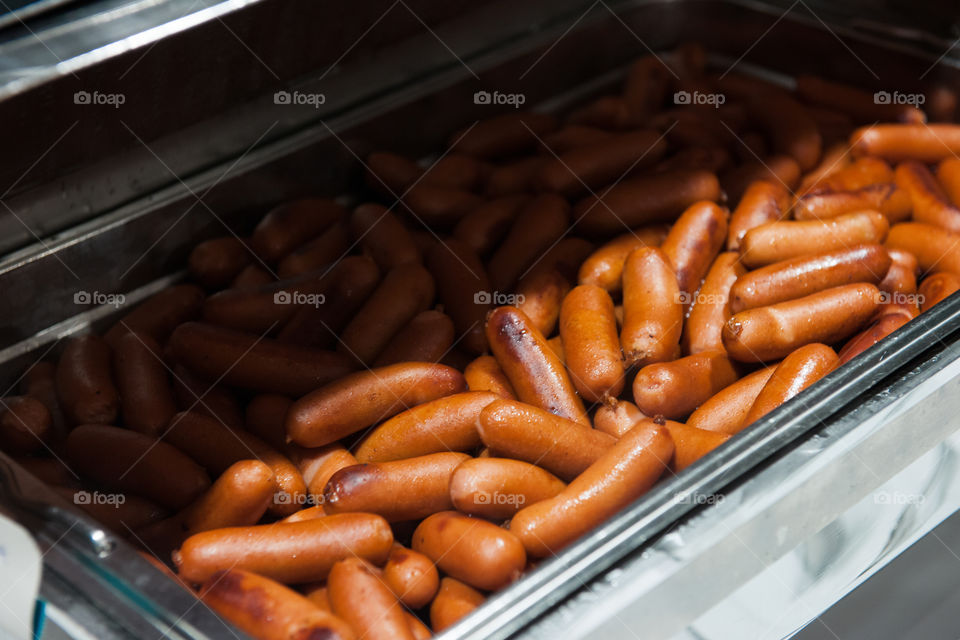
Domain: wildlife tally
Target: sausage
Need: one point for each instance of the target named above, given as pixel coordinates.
(565, 257)
(588, 329)
(362, 399)
(475, 551)
(291, 225)
(948, 175)
(25, 424)
(398, 490)
(454, 600)
(483, 228)
(216, 447)
(590, 167)
(690, 443)
(835, 160)
(383, 237)
(726, 410)
(210, 399)
(239, 497)
(604, 267)
(621, 475)
(445, 424)
(572, 136)
(931, 205)
(427, 338)
(317, 465)
(803, 276)
(353, 280)
(404, 292)
(122, 517)
(643, 200)
(147, 401)
(711, 305)
(926, 143)
(884, 326)
(934, 248)
(457, 171)
(772, 332)
(506, 135)
(791, 129)
(799, 370)
(675, 389)
(484, 374)
(777, 241)
(464, 289)
(359, 596)
(901, 277)
(858, 103)
(652, 309)
(712, 158)
(541, 223)
(411, 576)
(265, 308)
(40, 382)
(539, 296)
(390, 173)
(129, 461)
(257, 364)
(160, 314)
(646, 86)
(514, 177)
(438, 206)
(694, 241)
(288, 552)
(937, 287)
(616, 417)
(778, 169)
(215, 263)
(52, 471)
(85, 383)
(563, 447)
(763, 201)
(496, 488)
(887, 198)
(537, 376)
(322, 251)
(309, 513)
(862, 172)
(253, 275)
(606, 112)
(265, 417)
(265, 609)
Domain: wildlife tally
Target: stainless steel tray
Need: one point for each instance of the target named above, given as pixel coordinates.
(138, 247)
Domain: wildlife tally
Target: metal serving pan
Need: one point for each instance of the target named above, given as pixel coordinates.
(138, 247)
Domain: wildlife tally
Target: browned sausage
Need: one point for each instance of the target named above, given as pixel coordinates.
(588, 329)
(454, 600)
(711, 306)
(652, 309)
(763, 201)
(604, 267)
(726, 410)
(931, 205)
(496, 488)
(798, 371)
(693, 242)
(674, 389)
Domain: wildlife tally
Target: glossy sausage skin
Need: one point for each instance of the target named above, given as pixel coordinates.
(358, 595)
(454, 600)
(239, 497)
(265, 609)
(537, 376)
(288, 552)
(933, 247)
(484, 374)
(896, 142)
(936, 287)
(693, 243)
(411, 576)
(674, 389)
(777, 241)
(798, 371)
(652, 309)
(85, 382)
(398, 490)
(624, 473)
(763, 201)
(604, 267)
(931, 205)
(886, 198)
(884, 326)
(362, 399)
(690, 443)
(445, 424)
(496, 488)
(769, 333)
(563, 447)
(724, 411)
(803, 276)
(703, 330)
(616, 417)
(473, 550)
(588, 329)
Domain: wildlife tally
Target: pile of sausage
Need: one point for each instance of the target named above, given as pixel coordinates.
(361, 422)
